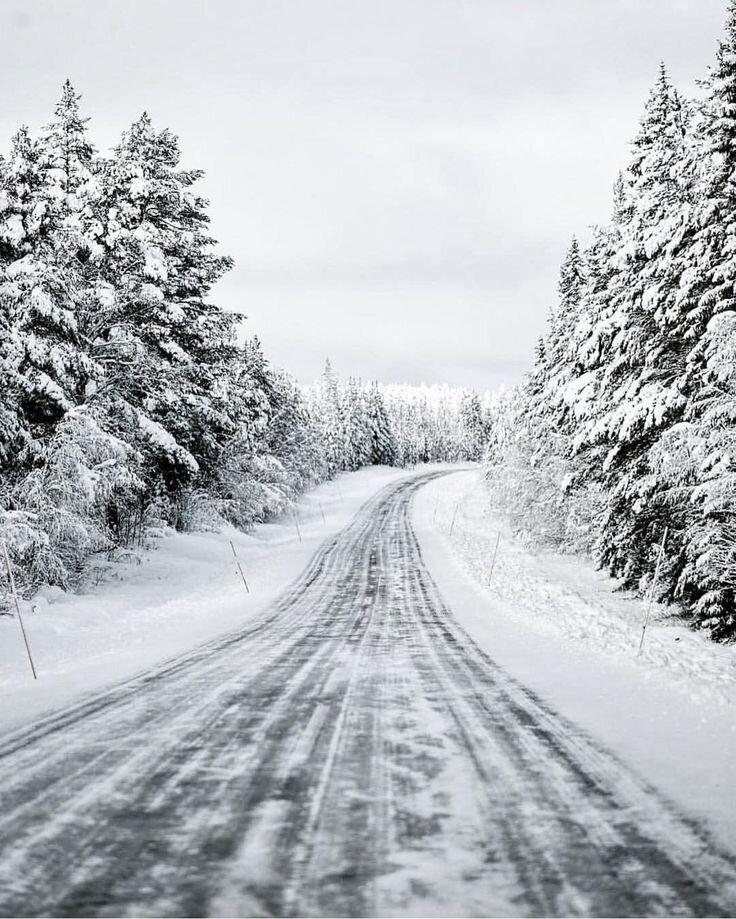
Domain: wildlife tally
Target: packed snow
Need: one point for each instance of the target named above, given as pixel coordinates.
(163, 601)
(556, 624)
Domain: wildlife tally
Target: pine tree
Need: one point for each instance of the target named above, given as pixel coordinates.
(43, 227)
(329, 417)
(166, 347)
(473, 425)
(382, 442)
(700, 459)
(707, 299)
(293, 436)
(68, 158)
(123, 393)
(625, 390)
(542, 446)
(72, 503)
(357, 445)
(11, 227)
(709, 288)
(557, 357)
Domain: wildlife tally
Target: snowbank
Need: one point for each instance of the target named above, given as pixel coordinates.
(554, 623)
(184, 591)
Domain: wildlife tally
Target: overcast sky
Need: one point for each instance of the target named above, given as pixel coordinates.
(397, 181)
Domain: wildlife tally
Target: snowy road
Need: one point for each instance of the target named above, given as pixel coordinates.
(351, 752)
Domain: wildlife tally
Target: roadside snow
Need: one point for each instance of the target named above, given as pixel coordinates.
(181, 593)
(555, 624)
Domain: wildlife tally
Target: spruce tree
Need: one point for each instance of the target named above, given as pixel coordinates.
(707, 299)
(329, 417)
(640, 395)
(166, 346)
(473, 426)
(43, 233)
(356, 432)
(382, 442)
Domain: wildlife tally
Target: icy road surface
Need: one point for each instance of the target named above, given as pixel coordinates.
(351, 752)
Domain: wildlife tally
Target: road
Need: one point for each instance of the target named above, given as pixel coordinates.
(351, 752)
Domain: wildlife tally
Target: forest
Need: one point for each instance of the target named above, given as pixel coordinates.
(621, 443)
(127, 397)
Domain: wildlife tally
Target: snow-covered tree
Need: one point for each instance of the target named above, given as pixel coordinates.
(626, 419)
(45, 214)
(167, 350)
(326, 406)
(72, 503)
(474, 426)
(381, 439)
(357, 444)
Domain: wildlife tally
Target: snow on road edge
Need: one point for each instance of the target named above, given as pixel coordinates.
(565, 595)
(183, 592)
(554, 624)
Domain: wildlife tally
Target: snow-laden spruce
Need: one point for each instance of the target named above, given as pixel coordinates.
(626, 428)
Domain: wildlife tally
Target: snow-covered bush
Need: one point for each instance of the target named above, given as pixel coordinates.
(529, 480)
(72, 504)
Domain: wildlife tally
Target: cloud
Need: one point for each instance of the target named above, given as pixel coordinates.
(397, 181)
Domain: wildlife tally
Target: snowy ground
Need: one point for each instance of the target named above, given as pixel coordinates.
(350, 752)
(183, 592)
(556, 625)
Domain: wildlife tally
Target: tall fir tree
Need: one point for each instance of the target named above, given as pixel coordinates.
(382, 442)
(630, 401)
(166, 347)
(357, 446)
(637, 370)
(329, 419)
(44, 226)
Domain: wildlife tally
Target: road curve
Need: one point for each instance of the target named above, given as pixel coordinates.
(352, 752)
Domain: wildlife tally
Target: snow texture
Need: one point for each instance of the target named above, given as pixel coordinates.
(554, 623)
(184, 591)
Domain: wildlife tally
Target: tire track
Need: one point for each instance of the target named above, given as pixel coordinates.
(351, 752)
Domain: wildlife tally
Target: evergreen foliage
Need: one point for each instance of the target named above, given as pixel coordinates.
(126, 398)
(391, 424)
(625, 426)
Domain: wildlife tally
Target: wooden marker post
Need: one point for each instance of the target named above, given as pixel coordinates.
(237, 562)
(454, 515)
(652, 589)
(296, 522)
(11, 582)
(493, 560)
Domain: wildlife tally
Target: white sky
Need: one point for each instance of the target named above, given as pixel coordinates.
(397, 180)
